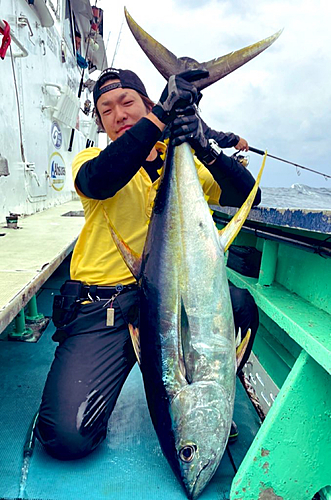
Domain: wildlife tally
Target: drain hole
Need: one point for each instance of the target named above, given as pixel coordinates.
(77, 213)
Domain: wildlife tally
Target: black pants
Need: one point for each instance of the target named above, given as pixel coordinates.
(90, 366)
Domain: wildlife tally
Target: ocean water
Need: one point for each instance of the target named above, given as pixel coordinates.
(297, 196)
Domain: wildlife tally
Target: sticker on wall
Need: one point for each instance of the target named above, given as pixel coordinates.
(57, 171)
(56, 135)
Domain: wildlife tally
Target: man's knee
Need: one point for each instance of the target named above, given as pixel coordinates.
(66, 442)
(245, 311)
(246, 316)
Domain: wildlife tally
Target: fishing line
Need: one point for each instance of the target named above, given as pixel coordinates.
(260, 152)
(231, 459)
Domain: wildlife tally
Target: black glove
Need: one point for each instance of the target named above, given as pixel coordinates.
(187, 127)
(178, 93)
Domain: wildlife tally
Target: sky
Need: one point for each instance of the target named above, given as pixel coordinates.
(279, 101)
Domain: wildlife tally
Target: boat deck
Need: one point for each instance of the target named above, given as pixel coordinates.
(30, 254)
(128, 464)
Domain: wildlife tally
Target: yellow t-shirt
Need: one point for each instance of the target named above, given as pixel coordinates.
(96, 260)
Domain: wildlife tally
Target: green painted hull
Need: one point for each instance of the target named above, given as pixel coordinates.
(291, 454)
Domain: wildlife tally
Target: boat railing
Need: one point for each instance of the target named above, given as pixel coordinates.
(24, 52)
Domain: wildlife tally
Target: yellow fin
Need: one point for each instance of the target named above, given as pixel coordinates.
(230, 231)
(131, 258)
(241, 349)
(162, 149)
(135, 338)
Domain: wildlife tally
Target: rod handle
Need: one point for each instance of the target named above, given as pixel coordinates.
(258, 151)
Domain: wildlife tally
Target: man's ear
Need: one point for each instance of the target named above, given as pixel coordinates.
(98, 122)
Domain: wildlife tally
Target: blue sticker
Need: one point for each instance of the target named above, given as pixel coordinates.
(57, 171)
(56, 135)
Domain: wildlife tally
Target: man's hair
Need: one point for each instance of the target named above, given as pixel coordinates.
(148, 103)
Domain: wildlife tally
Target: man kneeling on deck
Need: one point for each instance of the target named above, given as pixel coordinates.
(95, 353)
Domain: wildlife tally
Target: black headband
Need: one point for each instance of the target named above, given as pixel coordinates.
(111, 86)
(127, 80)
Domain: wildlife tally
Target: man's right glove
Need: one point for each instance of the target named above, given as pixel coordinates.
(177, 94)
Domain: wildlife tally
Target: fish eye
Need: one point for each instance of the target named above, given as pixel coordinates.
(187, 453)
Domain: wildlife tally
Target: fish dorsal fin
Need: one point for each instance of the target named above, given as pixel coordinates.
(241, 349)
(130, 257)
(168, 64)
(230, 231)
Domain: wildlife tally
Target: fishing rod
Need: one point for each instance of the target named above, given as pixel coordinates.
(81, 84)
(260, 152)
(117, 44)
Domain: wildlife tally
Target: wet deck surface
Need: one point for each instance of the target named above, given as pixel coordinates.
(128, 464)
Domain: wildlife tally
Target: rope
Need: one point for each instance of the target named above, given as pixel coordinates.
(18, 105)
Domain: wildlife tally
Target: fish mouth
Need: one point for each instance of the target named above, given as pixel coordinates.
(197, 487)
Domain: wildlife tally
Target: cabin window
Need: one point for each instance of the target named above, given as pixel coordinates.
(68, 28)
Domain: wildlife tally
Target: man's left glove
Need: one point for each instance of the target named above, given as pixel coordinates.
(187, 127)
(178, 93)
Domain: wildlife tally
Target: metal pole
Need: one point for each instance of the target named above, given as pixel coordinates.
(20, 332)
(33, 314)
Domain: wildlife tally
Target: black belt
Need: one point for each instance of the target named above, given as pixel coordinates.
(105, 292)
(73, 287)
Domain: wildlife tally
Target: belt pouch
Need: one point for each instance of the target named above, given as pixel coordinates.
(65, 306)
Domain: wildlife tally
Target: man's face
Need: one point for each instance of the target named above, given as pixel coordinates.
(120, 109)
(78, 42)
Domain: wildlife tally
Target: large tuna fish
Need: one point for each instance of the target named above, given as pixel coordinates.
(187, 344)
